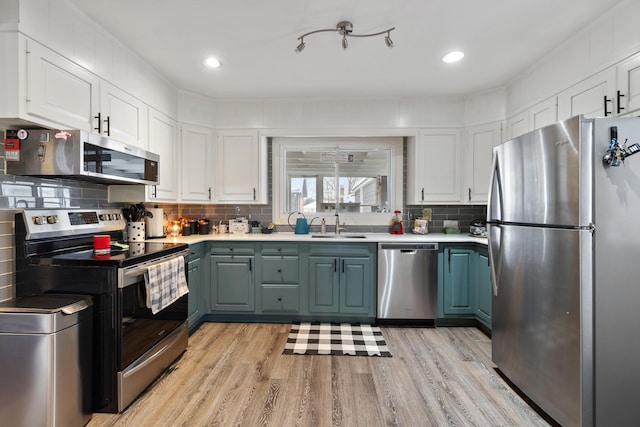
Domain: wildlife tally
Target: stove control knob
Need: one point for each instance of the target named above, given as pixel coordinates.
(37, 220)
(110, 217)
(102, 217)
(52, 219)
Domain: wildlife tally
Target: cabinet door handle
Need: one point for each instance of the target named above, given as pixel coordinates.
(254, 193)
(343, 266)
(422, 194)
(606, 112)
(250, 267)
(449, 259)
(108, 122)
(469, 193)
(99, 118)
(335, 265)
(209, 193)
(154, 193)
(620, 95)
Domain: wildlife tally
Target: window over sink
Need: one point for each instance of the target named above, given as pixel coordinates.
(360, 177)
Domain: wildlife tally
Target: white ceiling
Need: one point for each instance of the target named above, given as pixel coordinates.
(255, 41)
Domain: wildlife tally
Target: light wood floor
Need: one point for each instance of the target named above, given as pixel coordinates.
(235, 375)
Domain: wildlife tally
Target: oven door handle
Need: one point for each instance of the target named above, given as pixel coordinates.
(139, 271)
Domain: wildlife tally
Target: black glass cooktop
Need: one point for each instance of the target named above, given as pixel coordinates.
(132, 253)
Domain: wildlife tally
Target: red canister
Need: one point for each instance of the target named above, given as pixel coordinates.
(101, 244)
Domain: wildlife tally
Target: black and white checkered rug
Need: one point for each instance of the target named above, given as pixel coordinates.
(336, 339)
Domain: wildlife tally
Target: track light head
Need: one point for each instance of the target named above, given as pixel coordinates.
(301, 46)
(345, 44)
(387, 39)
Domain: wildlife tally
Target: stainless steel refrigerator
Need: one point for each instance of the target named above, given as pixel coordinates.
(564, 247)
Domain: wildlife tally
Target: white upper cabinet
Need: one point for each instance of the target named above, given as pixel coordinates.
(163, 140)
(240, 166)
(197, 159)
(434, 170)
(58, 90)
(628, 93)
(480, 141)
(543, 113)
(593, 97)
(122, 116)
(517, 124)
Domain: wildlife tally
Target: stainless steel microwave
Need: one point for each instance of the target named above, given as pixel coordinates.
(80, 155)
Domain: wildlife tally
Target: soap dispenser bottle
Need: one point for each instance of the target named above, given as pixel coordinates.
(323, 227)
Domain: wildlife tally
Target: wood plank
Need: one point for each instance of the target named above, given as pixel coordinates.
(236, 374)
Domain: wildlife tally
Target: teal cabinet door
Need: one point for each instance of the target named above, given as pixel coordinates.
(232, 283)
(355, 285)
(459, 281)
(484, 289)
(324, 284)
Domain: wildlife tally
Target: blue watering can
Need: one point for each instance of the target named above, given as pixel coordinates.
(302, 227)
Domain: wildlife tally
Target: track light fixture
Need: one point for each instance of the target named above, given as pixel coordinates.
(345, 29)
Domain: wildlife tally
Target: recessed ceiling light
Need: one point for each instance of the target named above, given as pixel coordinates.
(211, 62)
(454, 56)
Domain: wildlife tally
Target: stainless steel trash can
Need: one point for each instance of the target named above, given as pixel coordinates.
(45, 360)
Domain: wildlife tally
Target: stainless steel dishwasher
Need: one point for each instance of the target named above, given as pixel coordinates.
(407, 281)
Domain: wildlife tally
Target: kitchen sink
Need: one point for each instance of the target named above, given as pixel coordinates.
(339, 236)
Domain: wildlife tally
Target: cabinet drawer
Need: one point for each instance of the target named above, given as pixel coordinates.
(232, 249)
(276, 269)
(279, 249)
(280, 298)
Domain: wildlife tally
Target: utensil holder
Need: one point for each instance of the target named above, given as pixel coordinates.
(135, 231)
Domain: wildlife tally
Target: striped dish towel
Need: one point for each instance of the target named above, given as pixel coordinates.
(165, 282)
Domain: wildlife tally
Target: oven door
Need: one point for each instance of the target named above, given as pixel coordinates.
(140, 328)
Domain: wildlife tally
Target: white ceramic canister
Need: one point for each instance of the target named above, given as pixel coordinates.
(135, 231)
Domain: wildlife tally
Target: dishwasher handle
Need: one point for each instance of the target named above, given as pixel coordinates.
(409, 248)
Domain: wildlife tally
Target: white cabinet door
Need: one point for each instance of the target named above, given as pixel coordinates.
(589, 97)
(517, 125)
(480, 141)
(240, 166)
(197, 172)
(435, 171)
(628, 93)
(163, 140)
(123, 117)
(543, 113)
(60, 91)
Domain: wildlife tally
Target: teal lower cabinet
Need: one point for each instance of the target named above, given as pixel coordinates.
(483, 288)
(464, 285)
(342, 284)
(196, 278)
(291, 281)
(231, 269)
(459, 281)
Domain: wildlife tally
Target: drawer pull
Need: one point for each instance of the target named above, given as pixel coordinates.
(279, 270)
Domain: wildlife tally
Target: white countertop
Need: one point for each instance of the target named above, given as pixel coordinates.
(291, 237)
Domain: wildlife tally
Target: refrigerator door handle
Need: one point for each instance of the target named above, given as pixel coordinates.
(494, 201)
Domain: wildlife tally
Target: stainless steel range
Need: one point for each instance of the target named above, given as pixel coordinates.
(132, 346)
